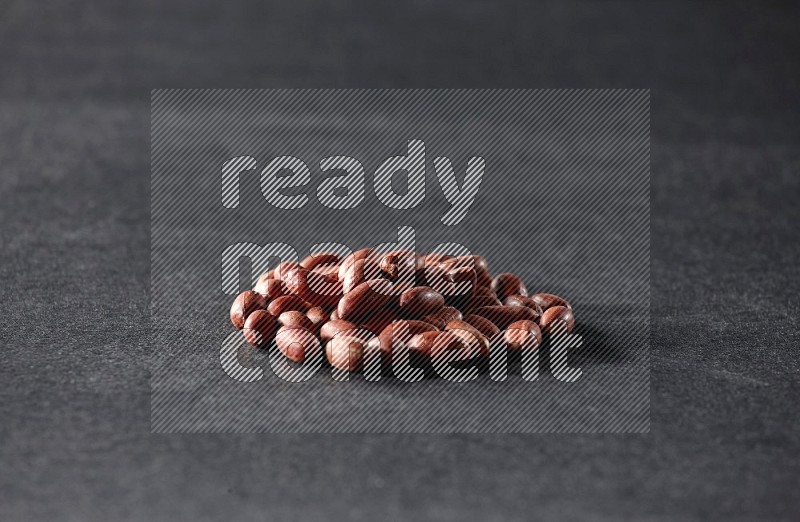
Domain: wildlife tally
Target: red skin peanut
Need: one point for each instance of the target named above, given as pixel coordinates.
(295, 319)
(286, 303)
(557, 319)
(485, 326)
(420, 301)
(329, 330)
(329, 270)
(465, 344)
(318, 316)
(314, 288)
(245, 303)
(282, 270)
(364, 299)
(546, 301)
(260, 328)
(483, 296)
(462, 274)
(478, 263)
(268, 286)
(349, 351)
(442, 317)
(436, 277)
(413, 327)
(347, 262)
(420, 344)
(521, 300)
(519, 333)
(484, 291)
(345, 352)
(348, 308)
(296, 343)
(502, 316)
(359, 272)
(459, 285)
(397, 263)
(477, 341)
(479, 301)
(396, 329)
(507, 284)
(378, 320)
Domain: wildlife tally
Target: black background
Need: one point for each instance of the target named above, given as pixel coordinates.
(74, 123)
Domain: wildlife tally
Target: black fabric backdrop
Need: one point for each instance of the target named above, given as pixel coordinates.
(74, 122)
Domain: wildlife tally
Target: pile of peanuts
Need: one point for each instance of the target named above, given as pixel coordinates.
(443, 303)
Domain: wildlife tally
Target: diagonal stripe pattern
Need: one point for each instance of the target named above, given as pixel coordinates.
(551, 184)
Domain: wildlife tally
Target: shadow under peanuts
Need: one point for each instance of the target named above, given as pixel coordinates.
(598, 346)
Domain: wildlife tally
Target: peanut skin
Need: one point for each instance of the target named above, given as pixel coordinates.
(369, 302)
(245, 303)
(364, 299)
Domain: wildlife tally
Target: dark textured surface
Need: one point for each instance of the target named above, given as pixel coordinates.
(75, 441)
